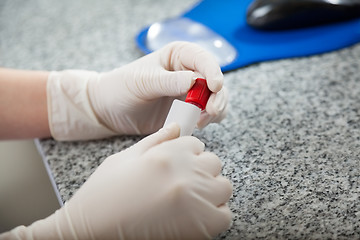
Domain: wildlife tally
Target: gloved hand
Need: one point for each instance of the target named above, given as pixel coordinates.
(163, 187)
(135, 98)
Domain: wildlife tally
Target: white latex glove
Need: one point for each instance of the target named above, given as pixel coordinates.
(135, 98)
(163, 187)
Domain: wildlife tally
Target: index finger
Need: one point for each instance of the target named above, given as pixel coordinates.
(190, 143)
(193, 57)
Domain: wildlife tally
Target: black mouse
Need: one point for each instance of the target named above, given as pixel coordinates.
(294, 14)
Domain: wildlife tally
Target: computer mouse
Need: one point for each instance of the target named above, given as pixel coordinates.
(294, 14)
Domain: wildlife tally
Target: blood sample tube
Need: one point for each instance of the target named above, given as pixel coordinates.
(187, 113)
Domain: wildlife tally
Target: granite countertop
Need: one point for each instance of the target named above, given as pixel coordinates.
(291, 141)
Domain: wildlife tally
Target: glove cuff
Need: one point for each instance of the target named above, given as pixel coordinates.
(55, 226)
(17, 233)
(70, 113)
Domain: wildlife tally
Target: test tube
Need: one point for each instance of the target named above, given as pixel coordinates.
(187, 113)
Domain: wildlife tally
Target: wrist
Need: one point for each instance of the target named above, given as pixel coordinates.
(71, 115)
(47, 228)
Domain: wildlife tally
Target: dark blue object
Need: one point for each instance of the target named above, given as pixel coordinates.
(228, 19)
(291, 14)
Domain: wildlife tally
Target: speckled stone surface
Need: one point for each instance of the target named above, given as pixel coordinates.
(291, 141)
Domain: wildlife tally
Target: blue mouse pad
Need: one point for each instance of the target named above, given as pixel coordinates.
(221, 28)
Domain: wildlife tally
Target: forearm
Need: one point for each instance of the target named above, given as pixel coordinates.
(23, 104)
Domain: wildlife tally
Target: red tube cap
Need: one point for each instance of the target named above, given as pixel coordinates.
(199, 94)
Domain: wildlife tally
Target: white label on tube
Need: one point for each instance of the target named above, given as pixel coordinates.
(185, 114)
